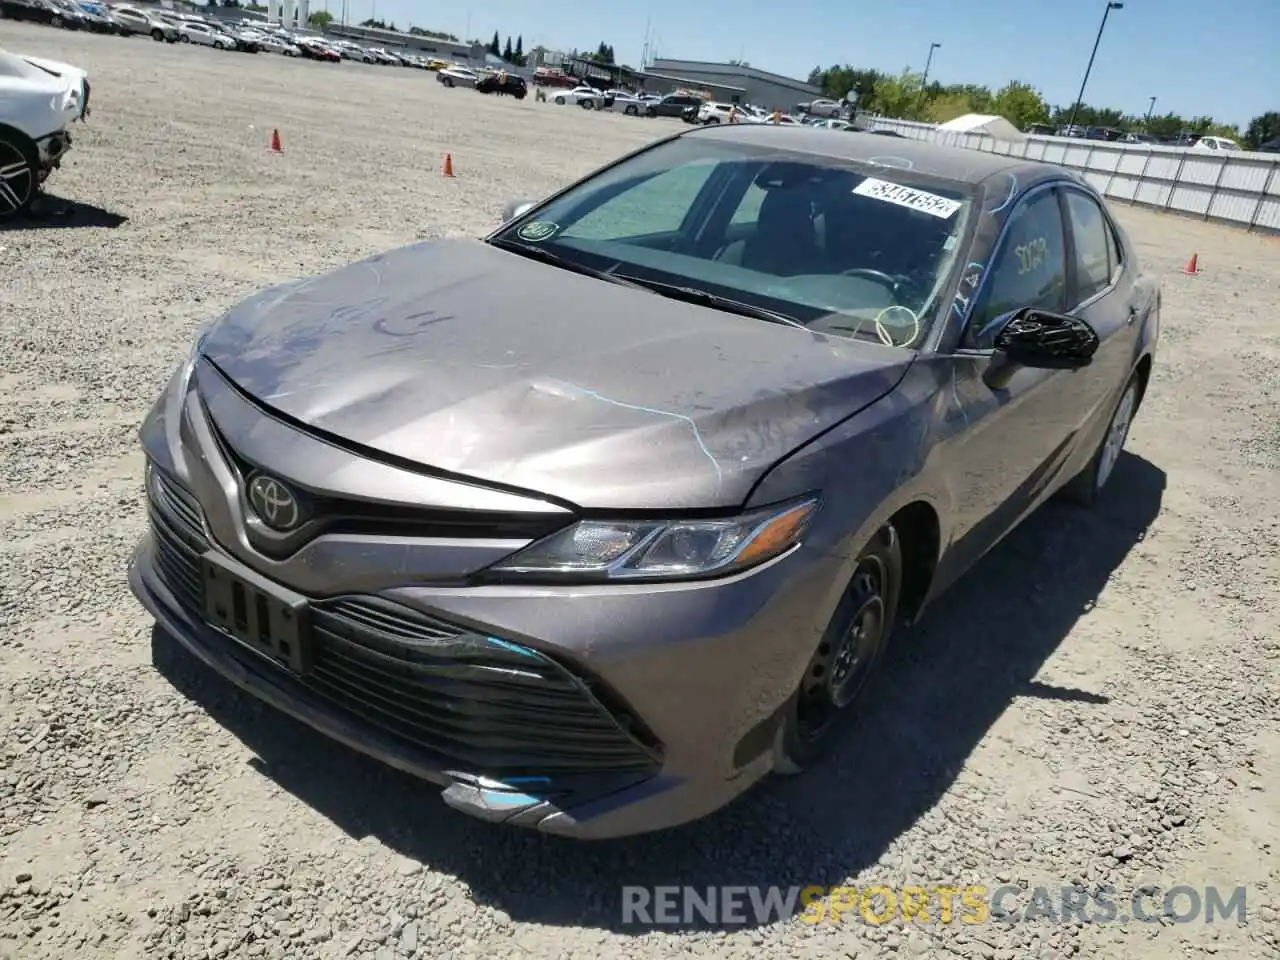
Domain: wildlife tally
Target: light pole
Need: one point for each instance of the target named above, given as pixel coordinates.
(1080, 96)
(924, 81)
(1147, 120)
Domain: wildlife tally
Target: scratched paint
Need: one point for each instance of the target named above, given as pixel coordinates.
(1013, 192)
(693, 426)
(899, 163)
(968, 286)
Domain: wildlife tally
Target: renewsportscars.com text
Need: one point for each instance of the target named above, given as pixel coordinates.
(970, 904)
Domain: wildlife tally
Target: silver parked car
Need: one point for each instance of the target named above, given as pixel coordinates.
(598, 521)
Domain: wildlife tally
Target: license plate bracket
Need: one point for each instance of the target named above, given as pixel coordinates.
(260, 614)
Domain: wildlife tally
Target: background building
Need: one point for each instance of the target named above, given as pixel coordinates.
(760, 88)
(473, 54)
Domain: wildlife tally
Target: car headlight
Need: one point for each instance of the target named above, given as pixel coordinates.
(629, 550)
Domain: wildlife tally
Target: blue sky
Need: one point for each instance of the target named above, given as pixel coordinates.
(1215, 57)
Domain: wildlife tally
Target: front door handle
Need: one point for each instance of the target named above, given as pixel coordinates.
(1133, 315)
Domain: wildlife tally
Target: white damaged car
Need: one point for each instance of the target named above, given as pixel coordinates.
(39, 100)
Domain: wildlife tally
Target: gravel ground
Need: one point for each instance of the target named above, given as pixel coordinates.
(1096, 704)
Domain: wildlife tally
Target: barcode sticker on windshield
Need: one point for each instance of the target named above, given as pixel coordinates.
(909, 197)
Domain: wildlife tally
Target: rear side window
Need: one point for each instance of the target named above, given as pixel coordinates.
(1030, 269)
(1092, 233)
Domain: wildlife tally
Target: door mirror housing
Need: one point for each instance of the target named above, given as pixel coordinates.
(516, 208)
(1041, 340)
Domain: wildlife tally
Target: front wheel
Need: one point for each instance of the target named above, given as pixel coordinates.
(587, 104)
(19, 176)
(184, 39)
(852, 646)
(560, 101)
(157, 35)
(219, 45)
(631, 110)
(1086, 487)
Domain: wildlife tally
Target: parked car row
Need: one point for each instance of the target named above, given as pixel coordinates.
(248, 36)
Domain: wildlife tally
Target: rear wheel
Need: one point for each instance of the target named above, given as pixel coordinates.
(852, 646)
(631, 110)
(1086, 487)
(587, 104)
(19, 173)
(560, 101)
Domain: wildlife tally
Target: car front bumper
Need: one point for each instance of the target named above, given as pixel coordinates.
(707, 669)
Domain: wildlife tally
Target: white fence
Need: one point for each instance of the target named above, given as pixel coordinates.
(1236, 188)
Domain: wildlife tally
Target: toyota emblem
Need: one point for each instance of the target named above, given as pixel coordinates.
(275, 503)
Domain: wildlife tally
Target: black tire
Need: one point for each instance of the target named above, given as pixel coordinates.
(560, 101)
(219, 45)
(631, 110)
(650, 112)
(838, 675)
(587, 104)
(157, 34)
(1087, 487)
(183, 38)
(19, 173)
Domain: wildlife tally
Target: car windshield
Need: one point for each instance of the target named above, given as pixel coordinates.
(840, 247)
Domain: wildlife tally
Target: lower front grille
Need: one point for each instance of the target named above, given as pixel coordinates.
(486, 705)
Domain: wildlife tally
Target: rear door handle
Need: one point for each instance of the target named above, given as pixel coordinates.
(1133, 314)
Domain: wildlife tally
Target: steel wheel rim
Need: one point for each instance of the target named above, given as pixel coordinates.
(1117, 434)
(17, 179)
(839, 668)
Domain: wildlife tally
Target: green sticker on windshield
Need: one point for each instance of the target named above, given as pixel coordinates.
(537, 231)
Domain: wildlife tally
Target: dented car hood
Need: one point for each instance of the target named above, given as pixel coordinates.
(481, 363)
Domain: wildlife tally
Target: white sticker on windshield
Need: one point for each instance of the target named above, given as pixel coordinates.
(909, 197)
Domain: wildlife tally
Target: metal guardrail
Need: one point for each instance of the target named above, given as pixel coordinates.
(1242, 189)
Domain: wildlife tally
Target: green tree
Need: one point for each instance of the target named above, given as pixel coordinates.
(518, 59)
(495, 45)
(320, 18)
(603, 54)
(1261, 129)
(836, 81)
(979, 97)
(948, 106)
(507, 52)
(1021, 104)
(896, 96)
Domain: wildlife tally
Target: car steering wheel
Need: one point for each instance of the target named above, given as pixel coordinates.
(879, 276)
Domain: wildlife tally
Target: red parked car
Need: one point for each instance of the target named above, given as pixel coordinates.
(316, 50)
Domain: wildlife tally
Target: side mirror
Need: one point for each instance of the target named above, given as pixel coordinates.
(1042, 341)
(517, 208)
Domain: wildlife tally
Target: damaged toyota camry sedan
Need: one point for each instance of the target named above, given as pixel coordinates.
(598, 520)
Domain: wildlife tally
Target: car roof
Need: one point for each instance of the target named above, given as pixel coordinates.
(958, 164)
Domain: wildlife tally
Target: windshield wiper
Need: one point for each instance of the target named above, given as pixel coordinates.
(674, 291)
(546, 256)
(708, 299)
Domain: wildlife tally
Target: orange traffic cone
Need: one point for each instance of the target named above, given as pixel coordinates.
(1193, 265)
(448, 164)
(275, 142)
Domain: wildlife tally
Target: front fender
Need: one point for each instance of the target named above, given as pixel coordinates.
(867, 468)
